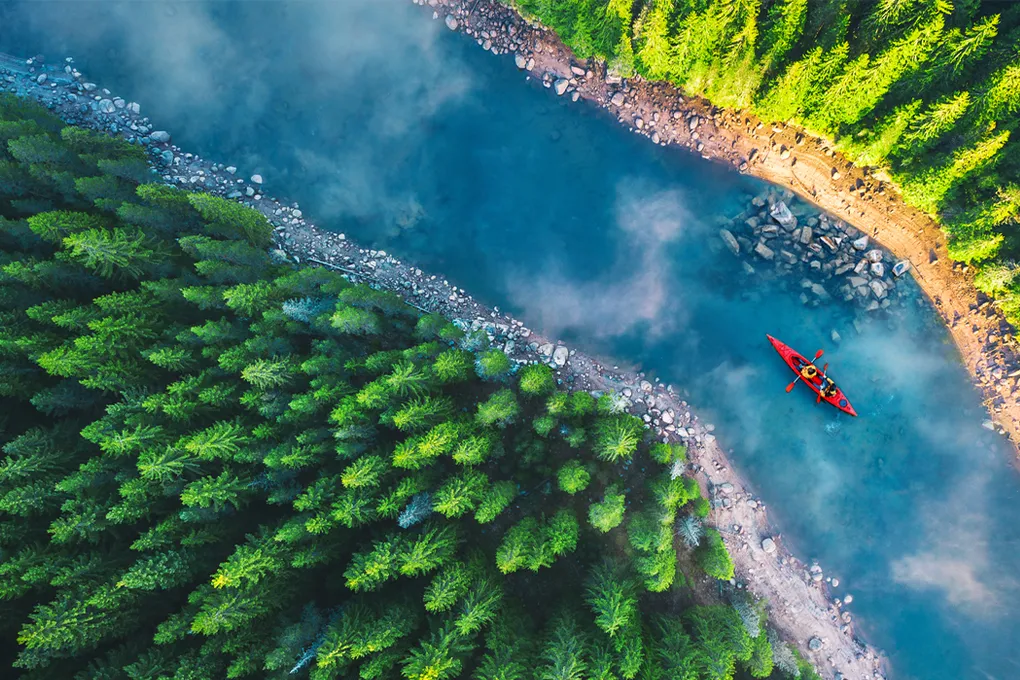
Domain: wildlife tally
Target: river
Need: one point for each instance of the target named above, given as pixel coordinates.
(386, 126)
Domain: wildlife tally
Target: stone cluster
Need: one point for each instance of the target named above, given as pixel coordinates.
(832, 257)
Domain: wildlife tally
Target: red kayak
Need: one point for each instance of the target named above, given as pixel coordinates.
(809, 374)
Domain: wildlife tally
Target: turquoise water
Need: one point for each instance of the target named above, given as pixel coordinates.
(387, 127)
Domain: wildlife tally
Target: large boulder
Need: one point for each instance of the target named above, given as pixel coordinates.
(561, 85)
(782, 215)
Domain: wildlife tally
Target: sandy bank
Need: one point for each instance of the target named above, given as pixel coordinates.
(788, 157)
(802, 607)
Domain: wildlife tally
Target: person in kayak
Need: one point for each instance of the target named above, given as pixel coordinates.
(828, 388)
(808, 372)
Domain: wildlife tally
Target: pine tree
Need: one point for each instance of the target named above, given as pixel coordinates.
(1001, 94)
(934, 122)
(928, 189)
(607, 514)
(713, 558)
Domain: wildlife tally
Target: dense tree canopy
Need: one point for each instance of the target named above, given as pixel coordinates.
(217, 465)
(928, 89)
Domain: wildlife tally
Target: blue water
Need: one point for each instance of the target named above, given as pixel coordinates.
(387, 127)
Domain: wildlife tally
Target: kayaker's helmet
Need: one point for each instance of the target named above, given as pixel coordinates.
(809, 372)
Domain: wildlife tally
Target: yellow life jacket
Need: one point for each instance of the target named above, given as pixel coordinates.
(809, 372)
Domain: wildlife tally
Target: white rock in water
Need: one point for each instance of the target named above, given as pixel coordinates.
(848, 599)
(106, 106)
(878, 288)
(560, 355)
(874, 255)
(88, 87)
(451, 22)
(118, 102)
(768, 545)
(861, 243)
(41, 79)
(835, 336)
(901, 268)
(231, 169)
(521, 61)
(546, 349)
(561, 85)
(781, 214)
(248, 191)
(160, 136)
(257, 179)
(878, 269)
(134, 107)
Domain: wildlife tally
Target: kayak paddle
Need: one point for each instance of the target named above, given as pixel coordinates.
(789, 388)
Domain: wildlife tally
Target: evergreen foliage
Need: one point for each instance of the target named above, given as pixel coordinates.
(215, 465)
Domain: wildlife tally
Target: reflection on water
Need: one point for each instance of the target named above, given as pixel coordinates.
(384, 125)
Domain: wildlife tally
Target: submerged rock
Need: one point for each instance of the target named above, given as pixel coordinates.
(901, 268)
(861, 243)
(730, 241)
(451, 22)
(764, 251)
(521, 61)
(160, 137)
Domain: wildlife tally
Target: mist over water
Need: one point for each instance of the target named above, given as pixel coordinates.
(386, 126)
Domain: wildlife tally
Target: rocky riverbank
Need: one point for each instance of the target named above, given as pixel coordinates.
(788, 157)
(801, 600)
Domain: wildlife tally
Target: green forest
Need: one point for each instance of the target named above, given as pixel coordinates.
(928, 90)
(219, 464)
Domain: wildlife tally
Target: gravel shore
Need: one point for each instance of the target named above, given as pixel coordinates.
(802, 601)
